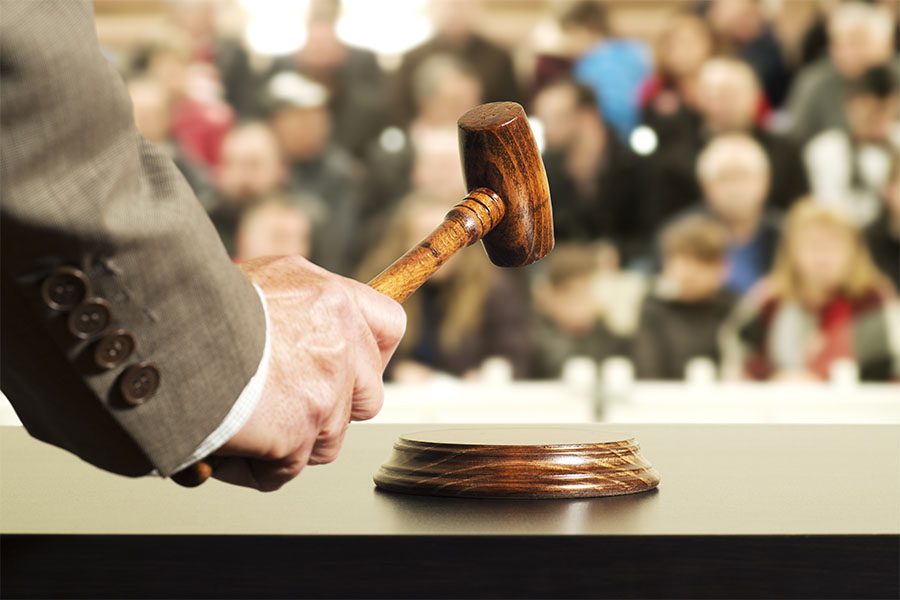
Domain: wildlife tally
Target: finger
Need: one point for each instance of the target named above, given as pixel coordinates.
(265, 476)
(384, 317)
(329, 442)
(368, 389)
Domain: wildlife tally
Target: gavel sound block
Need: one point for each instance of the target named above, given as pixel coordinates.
(526, 462)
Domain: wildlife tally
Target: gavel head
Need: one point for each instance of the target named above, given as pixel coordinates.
(498, 152)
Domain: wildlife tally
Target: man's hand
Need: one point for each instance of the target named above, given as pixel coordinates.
(331, 338)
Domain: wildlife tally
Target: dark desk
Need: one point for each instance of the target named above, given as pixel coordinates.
(742, 511)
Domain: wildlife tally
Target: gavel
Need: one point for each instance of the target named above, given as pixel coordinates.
(507, 208)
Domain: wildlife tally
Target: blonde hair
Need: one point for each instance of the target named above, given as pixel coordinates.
(862, 275)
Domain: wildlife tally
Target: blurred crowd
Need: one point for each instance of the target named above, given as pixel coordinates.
(716, 193)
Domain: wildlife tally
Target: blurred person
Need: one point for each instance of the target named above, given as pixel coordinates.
(612, 67)
(850, 167)
(300, 117)
(468, 311)
(274, 226)
(883, 236)
(669, 94)
(814, 44)
(860, 37)
(569, 318)
(200, 117)
(197, 21)
(417, 157)
(681, 317)
(734, 174)
(455, 23)
(825, 301)
(251, 169)
(357, 87)
(595, 181)
(729, 99)
(745, 29)
(152, 108)
(262, 365)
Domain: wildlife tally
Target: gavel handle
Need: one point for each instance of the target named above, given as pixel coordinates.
(465, 224)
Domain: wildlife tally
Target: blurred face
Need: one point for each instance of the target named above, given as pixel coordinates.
(853, 49)
(250, 165)
(171, 70)
(737, 188)
(728, 97)
(556, 108)
(821, 255)
(435, 168)
(870, 118)
(302, 133)
(152, 113)
(571, 305)
(456, 93)
(685, 48)
(693, 279)
(274, 231)
(734, 18)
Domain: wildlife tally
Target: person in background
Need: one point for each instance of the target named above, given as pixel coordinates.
(200, 117)
(455, 23)
(416, 159)
(883, 236)
(467, 312)
(860, 37)
(196, 21)
(596, 183)
(302, 123)
(274, 226)
(825, 301)
(743, 27)
(614, 68)
(729, 100)
(251, 169)
(357, 87)
(153, 118)
(669, 95)
(850, 167)
(734, 173)
(681, 316)
(569, 320)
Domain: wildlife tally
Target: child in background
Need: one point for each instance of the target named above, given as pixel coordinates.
(570, 321)
(681, 316)
(825, 301)
(274, 227)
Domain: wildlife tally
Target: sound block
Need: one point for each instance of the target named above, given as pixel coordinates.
(521, 462)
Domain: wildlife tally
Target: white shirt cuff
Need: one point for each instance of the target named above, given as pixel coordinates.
(242, 409)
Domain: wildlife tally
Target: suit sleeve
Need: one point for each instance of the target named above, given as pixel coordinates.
(127, 333)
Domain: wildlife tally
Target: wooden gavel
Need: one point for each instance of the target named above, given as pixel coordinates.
(507, 208)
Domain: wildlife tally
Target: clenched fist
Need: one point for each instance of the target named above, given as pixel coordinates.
(331, 338)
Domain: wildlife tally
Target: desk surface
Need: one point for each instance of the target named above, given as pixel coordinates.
(716, 480)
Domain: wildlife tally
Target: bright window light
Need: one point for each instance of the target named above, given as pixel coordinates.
(387, 28)
(275, 27)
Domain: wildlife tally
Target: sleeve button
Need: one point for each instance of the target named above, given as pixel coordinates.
(139, 382)
(114, 348)
(89, 318)
(64, 289)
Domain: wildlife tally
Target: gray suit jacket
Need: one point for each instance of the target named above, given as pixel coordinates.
(127, 334)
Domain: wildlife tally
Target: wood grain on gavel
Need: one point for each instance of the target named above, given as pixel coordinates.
(507, 208)
(516, 463)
